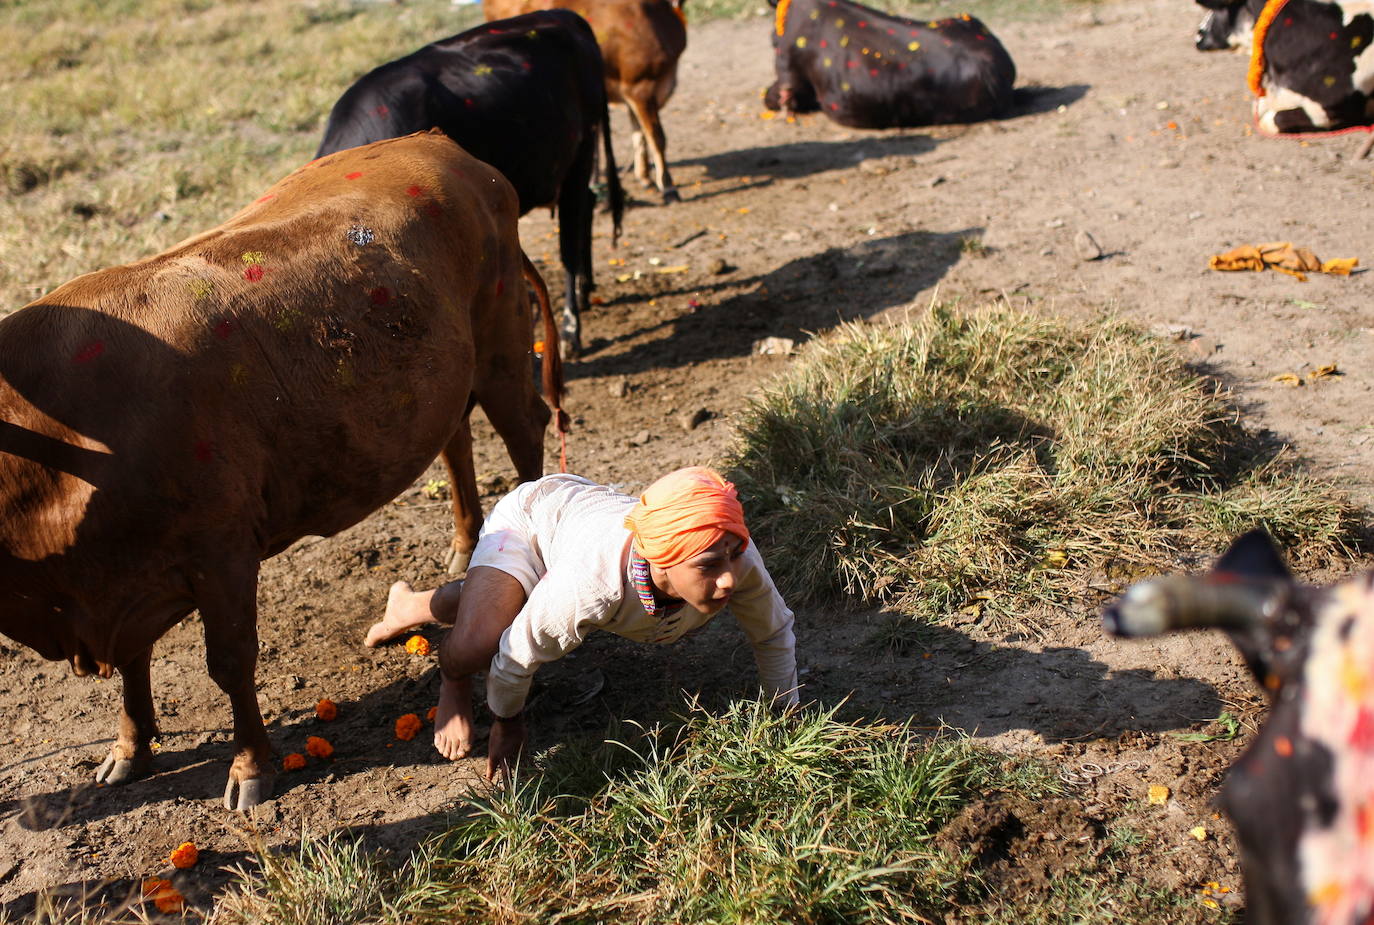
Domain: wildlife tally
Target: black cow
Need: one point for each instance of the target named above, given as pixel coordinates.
(1227, 24)
(525, 95)
(866, 69)
(1302, 795)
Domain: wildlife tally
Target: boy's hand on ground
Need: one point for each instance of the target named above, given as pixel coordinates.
(505, 744)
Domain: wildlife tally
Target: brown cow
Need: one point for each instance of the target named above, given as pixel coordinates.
(641, 41)
(167, 425)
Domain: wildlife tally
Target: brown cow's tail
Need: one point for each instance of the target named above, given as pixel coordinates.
(614, 192)
(552, 363)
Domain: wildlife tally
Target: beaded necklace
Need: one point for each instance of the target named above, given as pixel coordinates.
(644, 588)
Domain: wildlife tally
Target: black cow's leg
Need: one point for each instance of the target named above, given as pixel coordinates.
(131, 756)
(467, 505)
(229, 610)
(576, 205)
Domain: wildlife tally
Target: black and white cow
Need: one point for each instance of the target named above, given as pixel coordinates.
(866, 69)
(524, 94)
(1228, 24)
(1318, 68)
(1302, 796)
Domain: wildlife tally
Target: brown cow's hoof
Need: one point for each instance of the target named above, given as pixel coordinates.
(458, 562)
(250, 793)
(115, 771)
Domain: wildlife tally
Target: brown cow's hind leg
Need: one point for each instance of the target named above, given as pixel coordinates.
(645, 112)
(228, 608)
(131, 756)
(467, 505)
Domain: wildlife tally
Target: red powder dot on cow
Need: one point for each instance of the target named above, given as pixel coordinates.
(267, 197)
(824, 43)
(500, 286)
(89, 352)
(1288, 20)
(413, 191)
(354, 175)
(851, 64)
(253, 272)
(380, 296)
(434, 210)
(527, 65)
(469, 102)
(1333, 36)
(862, 24)
(1283, 746)
(224, 329)
(873, 72)
(205, 450)
(382, 110)
(834, 105)
(455, 171)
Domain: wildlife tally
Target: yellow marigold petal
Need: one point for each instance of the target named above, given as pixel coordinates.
(1159, 794)
(186, 855)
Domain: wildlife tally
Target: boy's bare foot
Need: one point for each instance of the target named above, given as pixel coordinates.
(405, 610)
(453, 719)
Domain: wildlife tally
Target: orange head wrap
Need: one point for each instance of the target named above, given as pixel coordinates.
(683, 514)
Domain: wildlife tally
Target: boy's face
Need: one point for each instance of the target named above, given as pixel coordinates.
(706, 580)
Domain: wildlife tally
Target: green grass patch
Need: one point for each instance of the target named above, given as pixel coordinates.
(994, 458)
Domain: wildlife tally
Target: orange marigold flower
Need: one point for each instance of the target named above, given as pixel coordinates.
(293, 762)
(539, 346)
(327, 710)
(169, 900)
(407, 726)
(417, 645)
(185, 855)
(430, 715)
(318, 747)
(154, 885)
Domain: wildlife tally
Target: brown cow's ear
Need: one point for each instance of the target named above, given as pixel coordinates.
(1253, 555)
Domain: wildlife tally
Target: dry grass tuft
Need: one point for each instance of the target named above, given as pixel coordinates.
(993, 458)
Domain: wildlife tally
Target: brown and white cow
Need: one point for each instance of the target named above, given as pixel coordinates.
(1302, 795)
(866, 69)
(167, 425)
(527, 96)
(641, 42)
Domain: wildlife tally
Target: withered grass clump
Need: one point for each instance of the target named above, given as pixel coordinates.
(993, 458)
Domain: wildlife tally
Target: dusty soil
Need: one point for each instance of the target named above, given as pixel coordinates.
(1125, 132)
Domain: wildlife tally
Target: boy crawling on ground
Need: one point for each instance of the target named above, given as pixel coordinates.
(560, 557)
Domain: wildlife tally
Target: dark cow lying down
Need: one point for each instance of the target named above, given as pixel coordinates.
(1302, 795)
(1315, 69)
(523, 94)
(167, 425)
(866, 69)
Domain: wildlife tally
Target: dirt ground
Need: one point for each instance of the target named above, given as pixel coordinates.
(1125, 132)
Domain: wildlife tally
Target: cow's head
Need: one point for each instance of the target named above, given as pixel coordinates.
(1227, 24)
(1302, 796)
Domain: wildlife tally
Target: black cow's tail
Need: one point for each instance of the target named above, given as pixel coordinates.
(614, 192)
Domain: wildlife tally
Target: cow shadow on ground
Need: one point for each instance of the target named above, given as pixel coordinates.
(1034, 100)
(802, 296)
(797, 159)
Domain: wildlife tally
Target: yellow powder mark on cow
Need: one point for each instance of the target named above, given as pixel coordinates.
(286, 318)
(1326, 894)
(780, 17)
(844, 42)
(801, 41)
(863, 51)
(1255, 78)
(345, 373)
(965, 17)
(933, 24)
(839, 24)
(482, 70)
(1355, 41)
(826, 62)
(1354, 679)
(201, 288)
(533, 34)
(252, 257)
(845, 87)
(815, 14)
(878, 55)
(1329, 80)
(913, 46)
(238, 374)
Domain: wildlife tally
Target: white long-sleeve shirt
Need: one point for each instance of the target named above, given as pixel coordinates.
(575, 530)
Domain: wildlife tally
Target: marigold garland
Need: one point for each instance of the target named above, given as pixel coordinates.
(407, 726)
(186, 855)
(1255, 77)
(780, 18)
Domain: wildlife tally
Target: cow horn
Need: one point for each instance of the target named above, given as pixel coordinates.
(1176, 602)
